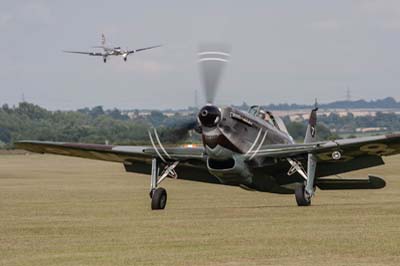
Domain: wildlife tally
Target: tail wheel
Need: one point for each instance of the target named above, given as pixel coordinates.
(159, 199)
(302, 198)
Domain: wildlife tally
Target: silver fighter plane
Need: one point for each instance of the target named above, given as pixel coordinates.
(112, 51)
(251, 150)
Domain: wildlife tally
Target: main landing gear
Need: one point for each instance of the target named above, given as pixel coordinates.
(158, 195)
(302, 197)
(158, 198)
(304, 191)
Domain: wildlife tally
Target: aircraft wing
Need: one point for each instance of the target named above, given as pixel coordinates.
(136, 159)
(375, 145)
(113, 153)
(143, 49)
(86, 53)
(356, 153)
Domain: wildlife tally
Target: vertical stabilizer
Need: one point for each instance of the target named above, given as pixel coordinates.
(311, 133)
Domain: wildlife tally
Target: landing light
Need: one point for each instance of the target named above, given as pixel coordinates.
(190, 145)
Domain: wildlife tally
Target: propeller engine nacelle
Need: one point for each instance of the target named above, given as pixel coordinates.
(125, 56)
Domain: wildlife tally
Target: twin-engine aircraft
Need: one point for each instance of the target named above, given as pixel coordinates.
(112, 51)
(252, 150)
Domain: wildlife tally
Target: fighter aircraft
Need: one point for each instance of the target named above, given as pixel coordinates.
(251, 150)
(109, 51)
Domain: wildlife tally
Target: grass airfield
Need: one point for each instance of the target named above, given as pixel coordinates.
(67, 211)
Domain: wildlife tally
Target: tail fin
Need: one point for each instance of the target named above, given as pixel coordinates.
(311, 133)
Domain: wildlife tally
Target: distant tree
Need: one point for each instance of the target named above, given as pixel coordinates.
(97, 111)
(85, 110)
(323, 132)
(156, 118)
(32, 111)
(297, 130)
(116, 114)
(5, 135)
(5, 108)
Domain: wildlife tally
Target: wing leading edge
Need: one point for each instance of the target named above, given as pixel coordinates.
(143, 49)
(114, 153)
(135, 158)
(86, 53)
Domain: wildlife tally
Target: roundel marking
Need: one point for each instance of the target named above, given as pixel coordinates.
(336, 155)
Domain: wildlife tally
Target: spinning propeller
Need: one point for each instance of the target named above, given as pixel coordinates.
(212, 61)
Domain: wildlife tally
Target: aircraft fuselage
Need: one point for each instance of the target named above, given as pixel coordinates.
(232, 138)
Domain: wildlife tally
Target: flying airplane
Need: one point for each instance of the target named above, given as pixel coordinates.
(251, 150)
(112, 51)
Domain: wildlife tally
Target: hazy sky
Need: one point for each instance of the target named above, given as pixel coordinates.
(282, 51)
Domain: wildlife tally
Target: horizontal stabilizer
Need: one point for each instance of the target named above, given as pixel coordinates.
(373, 182)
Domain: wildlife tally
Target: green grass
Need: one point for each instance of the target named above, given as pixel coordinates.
(66, 211)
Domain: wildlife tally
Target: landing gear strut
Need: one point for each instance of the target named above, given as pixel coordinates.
(304, 191)
(158, 195)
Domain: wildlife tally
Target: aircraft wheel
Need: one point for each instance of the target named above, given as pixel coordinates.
(158, 199)
(302, 198)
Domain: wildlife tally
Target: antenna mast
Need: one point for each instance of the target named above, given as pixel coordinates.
(348, 94)
(348, 99)
(196, 100)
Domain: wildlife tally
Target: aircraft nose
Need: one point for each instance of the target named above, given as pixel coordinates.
(209, 116)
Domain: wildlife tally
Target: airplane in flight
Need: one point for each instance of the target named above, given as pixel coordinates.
(251, 150)
(112, 51)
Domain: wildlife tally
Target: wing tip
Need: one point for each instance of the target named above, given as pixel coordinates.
(376, 182)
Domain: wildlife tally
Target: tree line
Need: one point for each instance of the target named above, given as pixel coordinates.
(31, 122)
(96, 125)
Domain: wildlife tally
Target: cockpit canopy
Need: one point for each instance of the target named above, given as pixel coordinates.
(267, 116)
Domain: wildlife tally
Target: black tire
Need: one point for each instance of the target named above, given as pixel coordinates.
(159, 199)
(301, 198)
